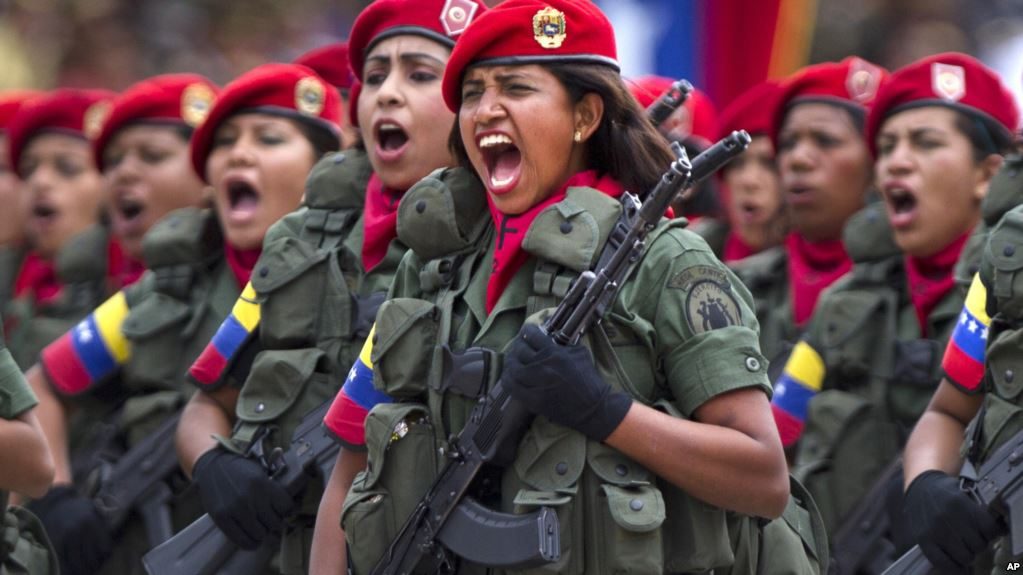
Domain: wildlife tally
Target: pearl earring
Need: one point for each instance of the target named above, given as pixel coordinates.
(578, 136)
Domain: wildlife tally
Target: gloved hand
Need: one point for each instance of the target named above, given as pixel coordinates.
(240, 497)
(950, 528)
(78, 533)
(562, 384)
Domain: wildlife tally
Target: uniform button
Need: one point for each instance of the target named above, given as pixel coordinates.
(338, 158)
(566, 227)
(621, 470)
(752, 364)
(636, 505)
(260, 407)
(1009, 376)
(264, 271)
(420, 206)
(561, 468)
(1007, 251)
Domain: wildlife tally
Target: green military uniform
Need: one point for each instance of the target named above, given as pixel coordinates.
(1001, 413)
(879, 370)
(172, 312)
(11, 258)
(766, 274)
(82, 270)
(714, 231)
(24, 548)
(615, 516)
(1004, 193)
(317, 304)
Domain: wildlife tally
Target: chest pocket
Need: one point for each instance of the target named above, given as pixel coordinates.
(157, 328)
(1004, 255)
(852, 335)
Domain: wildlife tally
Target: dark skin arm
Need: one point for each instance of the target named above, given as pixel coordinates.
(206, 414)
(52, 419)
(935, 441)
(329, 555)
(27, 466)
(730, 456)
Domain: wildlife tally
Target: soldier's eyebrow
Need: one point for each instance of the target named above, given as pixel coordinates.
(421, 57)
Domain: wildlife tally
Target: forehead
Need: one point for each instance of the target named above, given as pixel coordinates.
(252, 120)
(921, 117)
(395, 46)
(55, 143)
(142, 132)
(818, 115)
(484, 73)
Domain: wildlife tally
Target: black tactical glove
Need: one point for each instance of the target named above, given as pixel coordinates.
(562, 384)
(78, 533)
(240, 497)
(950, 528)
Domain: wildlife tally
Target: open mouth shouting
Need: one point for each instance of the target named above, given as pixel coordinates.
(901, 202)
(391, 140)
(502, 160)
(243, 200)
(44, 214)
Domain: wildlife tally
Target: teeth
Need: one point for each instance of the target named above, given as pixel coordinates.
(496, 183)
(494, 140)
(389, 127)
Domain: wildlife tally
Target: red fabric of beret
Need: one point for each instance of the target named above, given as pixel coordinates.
(531, 32)
(702, 111)
(646, 89)
(852, 83)
(286, 90)
(953, 80)
(331, 63)
(11, 101)
(67, 111)
(751, 111)
(174, 99)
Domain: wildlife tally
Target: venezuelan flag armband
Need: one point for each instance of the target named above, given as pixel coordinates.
(346, 418)
(238, 328)
(91, 351)
(798, 384)
(964, 355)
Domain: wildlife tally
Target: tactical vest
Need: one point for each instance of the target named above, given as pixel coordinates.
(317, 305)
(82, 270)
(766, 275)
(714, 231)
(11, 258)
(24, 547)
(615, 516)
(1004, 193)
(879, 372)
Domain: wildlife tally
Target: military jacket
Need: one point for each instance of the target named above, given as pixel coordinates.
(714, 231)
(24, 548)
(10, 262)
(766, 276)
(681, 332)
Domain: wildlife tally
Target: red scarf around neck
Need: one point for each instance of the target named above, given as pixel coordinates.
(511, 230)
(241, 262)
(736, 249)
(124, 269)
(931, 278)
(37, 278)
(380, 221)
(813, 266)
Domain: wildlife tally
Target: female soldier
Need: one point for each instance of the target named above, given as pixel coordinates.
(73, 264)
(255, 147)
(399, 49)
(874, 343)
(751, 189)
(14, 195)
(980, 363)
(547, 124)
(825, 167)
(28, 469)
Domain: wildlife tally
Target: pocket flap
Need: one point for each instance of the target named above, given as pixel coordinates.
(613, 467)
(528, 499)
(388, 423)
(155, 313)
(1005, 244)
(550, 457)
(282, 261)
(398, 316)
(281, 373)
(828, 415)
(637, 509)
(847, 315)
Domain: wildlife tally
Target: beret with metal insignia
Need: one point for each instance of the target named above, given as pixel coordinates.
(331, 63)
(702, 111)
(531, 32)
(170, 99)
(72, 112)
(11, 101)
(952, 80)
(287, 90)
(851, 84)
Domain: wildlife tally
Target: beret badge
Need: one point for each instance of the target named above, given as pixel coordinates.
(92, 121)
(456, 16)
(948, 81)
(549, 28)
(196, 102)
(309, 96)
(863, 81)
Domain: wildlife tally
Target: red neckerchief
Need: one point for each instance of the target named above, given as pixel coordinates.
(122, 269)
(37, 278)
(931, 278)
(736, 249)
(379, 221)
(813, 267)
(508, 253)
(241, 262)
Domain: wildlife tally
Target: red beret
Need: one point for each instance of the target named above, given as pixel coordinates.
(11, 101)
(175, 99)
(280, 89)
(439, 20)
(67, 111)
(953, 80)
(852, 83)
(531, 32)
(646, 89)
(331, 63)
(704, 114)
(751, 111)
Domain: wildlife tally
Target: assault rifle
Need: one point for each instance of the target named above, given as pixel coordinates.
(137, 482)
(203, 549)
(861, 544)
(447, 523)
(668, 102)
(996, 486)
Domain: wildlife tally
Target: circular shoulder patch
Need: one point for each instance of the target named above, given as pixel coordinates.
(710, 302)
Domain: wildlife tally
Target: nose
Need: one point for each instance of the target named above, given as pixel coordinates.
(389, 92)
(899, 160)
(489, 108)
(800, 157)
(126, 170)
(242, 152)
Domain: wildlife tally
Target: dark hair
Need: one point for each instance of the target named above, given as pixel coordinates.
(322, 139)
(983, 139)
(625, 145)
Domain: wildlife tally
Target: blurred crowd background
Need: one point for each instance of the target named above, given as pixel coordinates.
(113, 43)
